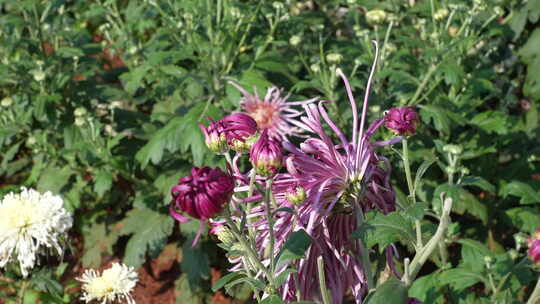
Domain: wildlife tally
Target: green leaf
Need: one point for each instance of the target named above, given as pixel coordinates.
(195, 263)
(294, 248)
(464, 201)
(103, 182)
(150, 231)
(133, 79)
(97, 240)
(527, 194)
(491, 122)
(272, 300)
(525, 218)
(53, 179)
(426, 288)
(282, 277)
(421, 171)
(254, 283)
(460, 278)
(224, 280)
(390, 292)
(472, 254)
(479, 182)
(380, 229)
(438, 115)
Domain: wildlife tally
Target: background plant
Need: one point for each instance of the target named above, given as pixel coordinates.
(100, 103)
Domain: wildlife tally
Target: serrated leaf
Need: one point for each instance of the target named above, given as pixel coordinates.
(380, 229)
(254, 283)
(272, 300)
(294, 248)
(282, 277)
(460, 278)
(97, 240)
(491, 122)
(527, 194)
(425, 288)
(464, 201)
(150, 230)
(103, 182)
(438, 115)
(525, 218)
(472, 254)
(53, 179)
(389, 292)
(195, 263)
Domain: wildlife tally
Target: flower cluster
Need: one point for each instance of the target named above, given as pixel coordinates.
(114, 284)
(327, 184)
(32, 223)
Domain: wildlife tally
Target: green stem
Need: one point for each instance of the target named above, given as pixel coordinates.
(252, 255)
(322, 281)
(412, 194)
(22, 291)
(421, 256)
(267, 198)
(535, 295)
(422, 85)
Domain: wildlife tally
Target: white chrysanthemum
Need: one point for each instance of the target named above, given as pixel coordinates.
(31, 224)
(115, 283)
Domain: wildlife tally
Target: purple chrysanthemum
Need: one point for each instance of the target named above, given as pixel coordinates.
(202, 194)
(413, 301)
(534, 247)
(402, 121)
(340, 181)
(274, 112)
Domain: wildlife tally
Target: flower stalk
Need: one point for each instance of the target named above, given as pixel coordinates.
(322, 281)
(412, 194)
(423, 254)
(535, 295)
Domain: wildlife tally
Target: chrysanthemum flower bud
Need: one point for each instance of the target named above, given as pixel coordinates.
(39, 75)
(296, 195)
(413, 301)
(402, 121)
(80, 111)
(334, 58)
(375, 16)
(6, 102)
(295, 40)
(240, 131)
(201, 195)
(214, 137)
(266, 156)
(440, 14)
(453, 149)
(225, 235)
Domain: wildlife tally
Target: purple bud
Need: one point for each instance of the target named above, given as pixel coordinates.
(266, 156)
(201, 195)
(214, 136)
(240, 130)
(413, 301)
(534, 251)
(402, 121)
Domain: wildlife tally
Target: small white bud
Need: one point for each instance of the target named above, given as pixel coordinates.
(295, 40)
(6, 102)
(277, 5)
(375, 16)
(315, 68)
(440, 14)
(79, 121)
(39, 75)
(80, 111)
(30, 141)
(334, 58)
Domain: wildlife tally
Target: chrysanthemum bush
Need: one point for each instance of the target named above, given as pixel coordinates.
(101, 104)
